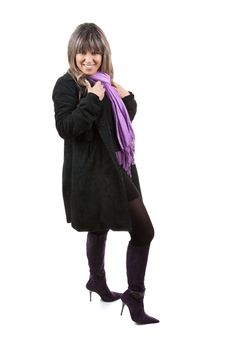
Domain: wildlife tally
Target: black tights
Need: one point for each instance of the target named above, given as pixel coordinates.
(142, 231)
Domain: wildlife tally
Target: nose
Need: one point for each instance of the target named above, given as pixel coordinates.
(88, 57)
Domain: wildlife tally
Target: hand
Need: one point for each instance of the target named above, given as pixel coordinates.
(121, 91)
(97, 89)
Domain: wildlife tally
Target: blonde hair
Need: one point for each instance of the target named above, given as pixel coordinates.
(88, 37)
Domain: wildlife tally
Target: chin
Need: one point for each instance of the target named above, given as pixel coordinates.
(91, 73)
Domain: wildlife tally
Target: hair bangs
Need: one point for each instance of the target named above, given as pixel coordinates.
(90, 42)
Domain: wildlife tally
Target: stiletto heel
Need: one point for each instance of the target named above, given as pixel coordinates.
(107, 296)
(123, 305)
(134, 302)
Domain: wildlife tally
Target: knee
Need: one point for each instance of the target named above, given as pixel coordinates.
(142, 236)
(150, 234)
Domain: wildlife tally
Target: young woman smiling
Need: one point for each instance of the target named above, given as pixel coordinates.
(101, 188)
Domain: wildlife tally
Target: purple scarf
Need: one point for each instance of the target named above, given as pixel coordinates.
(125, 134)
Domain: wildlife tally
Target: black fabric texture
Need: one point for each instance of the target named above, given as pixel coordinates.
(93, 184)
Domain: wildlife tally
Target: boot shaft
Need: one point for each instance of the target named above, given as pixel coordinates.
(95, 250)
(136, 262)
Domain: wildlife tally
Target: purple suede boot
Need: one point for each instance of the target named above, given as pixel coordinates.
(136, 261)
(95, 255)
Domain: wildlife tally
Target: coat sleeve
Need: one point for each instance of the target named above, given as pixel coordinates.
(131, 105)
(73, 118)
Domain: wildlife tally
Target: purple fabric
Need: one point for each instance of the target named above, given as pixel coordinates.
(125, 134)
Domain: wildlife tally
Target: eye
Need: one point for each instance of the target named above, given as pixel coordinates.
(81, 52)
(96, 53)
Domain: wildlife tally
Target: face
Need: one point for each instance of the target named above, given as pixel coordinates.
(88, 62)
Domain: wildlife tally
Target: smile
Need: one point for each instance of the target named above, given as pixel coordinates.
(89, 65)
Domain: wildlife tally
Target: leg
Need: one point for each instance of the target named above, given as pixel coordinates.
(142, 231)
(95, 248)
(142, 234)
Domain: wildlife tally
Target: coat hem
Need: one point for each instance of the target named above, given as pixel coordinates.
(112, 228)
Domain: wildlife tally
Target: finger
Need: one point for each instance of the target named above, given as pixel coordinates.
(88, 83)
(98, 83)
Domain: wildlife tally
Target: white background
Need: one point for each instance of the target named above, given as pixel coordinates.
(176, 56)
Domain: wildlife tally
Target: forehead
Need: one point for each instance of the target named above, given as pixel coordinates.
(89, 43)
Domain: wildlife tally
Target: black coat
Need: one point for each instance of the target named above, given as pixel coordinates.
(93, 187)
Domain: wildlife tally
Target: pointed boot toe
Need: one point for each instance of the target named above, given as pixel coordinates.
(134, 301)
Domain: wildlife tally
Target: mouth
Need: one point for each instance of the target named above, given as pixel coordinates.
(88, 65)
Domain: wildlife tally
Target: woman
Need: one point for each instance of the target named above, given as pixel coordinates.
(101, 188)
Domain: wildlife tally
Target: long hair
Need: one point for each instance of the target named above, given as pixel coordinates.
(88, 37)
